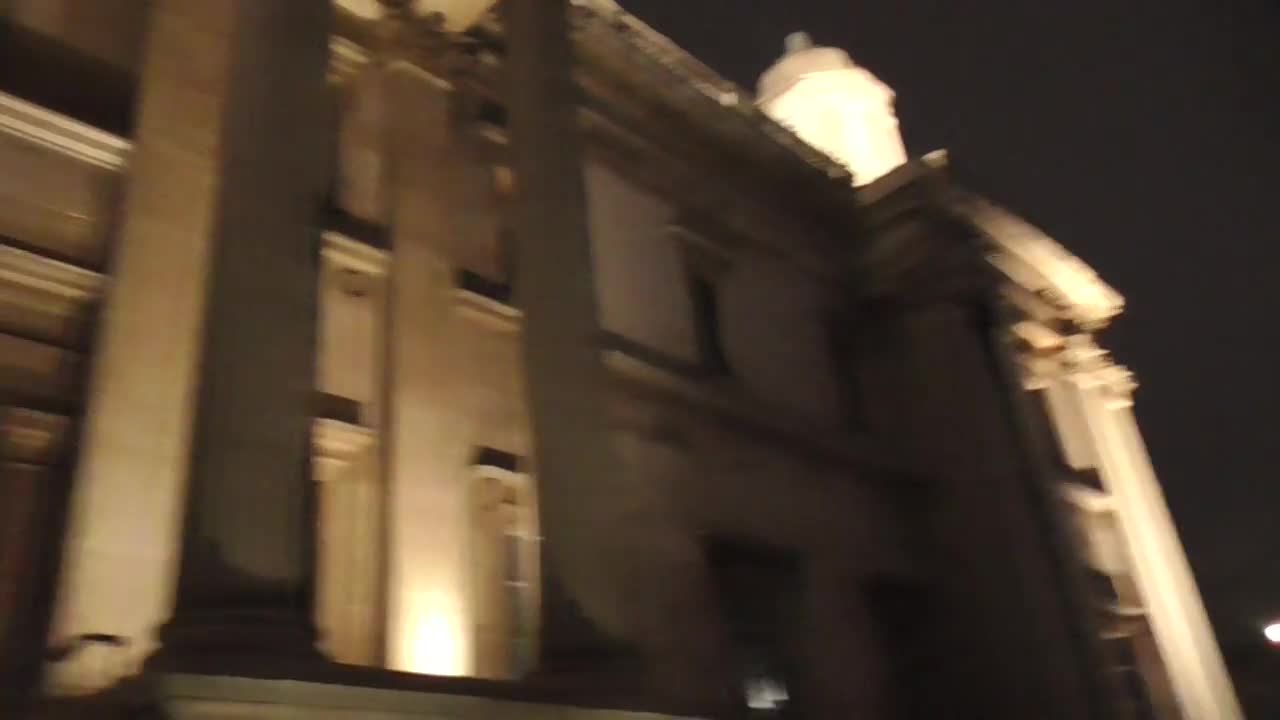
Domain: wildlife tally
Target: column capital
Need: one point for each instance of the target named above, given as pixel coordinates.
(1082, 361)
(340, 441)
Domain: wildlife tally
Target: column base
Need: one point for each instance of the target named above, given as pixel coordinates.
(230, 641)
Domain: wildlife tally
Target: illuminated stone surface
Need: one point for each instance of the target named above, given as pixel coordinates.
(836, 106)
(419, 369)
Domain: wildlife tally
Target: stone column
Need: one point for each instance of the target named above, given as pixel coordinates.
(616, 565)
(192, 169)
(932, 390)
(244, 586)
(564, 376)
(435, 189)
(1092, 407)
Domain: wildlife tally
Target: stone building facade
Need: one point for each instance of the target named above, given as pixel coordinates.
(364, 362)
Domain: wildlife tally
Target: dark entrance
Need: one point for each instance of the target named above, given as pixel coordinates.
(760, 591)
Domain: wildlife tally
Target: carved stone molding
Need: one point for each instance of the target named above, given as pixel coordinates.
(51, 276)
(351, 254)
(1081, 360)
(346, 60)
(341, 442)
(62, 134)
(1037, 263)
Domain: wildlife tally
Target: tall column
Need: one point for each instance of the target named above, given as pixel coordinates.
(190, 171)
(433, 203)
(616, 564)
(1092, 408)
(244, 585)
(564, 377)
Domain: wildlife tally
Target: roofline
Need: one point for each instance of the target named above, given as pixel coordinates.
(1033, 260)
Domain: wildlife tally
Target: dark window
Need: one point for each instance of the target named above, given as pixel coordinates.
(908, 631)
(501, 288)
(474, 282)
(1101, 588)
(46, 71)
(706, 316)
(492, 457)
(489, 112)
(759, 592)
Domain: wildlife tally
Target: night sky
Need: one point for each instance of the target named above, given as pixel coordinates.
(1145, 136)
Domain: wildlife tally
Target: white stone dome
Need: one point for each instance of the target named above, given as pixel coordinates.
(834, 105)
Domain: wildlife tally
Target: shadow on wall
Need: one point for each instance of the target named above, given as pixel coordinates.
(79, 58)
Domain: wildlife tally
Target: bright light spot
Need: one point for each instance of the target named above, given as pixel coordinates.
(1272, 632)
(766, 694)
(436, 646)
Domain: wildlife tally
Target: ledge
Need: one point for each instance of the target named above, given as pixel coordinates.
(738, 407)
(366, 232)
(352, 253)
(53, 276)
(337, 692)
(341, 441)
(62, 134)
(487, 311)
(32, 436)
(45, 374)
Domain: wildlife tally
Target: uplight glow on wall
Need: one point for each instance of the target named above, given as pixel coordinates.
(436, 642)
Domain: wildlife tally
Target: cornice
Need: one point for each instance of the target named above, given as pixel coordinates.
(62, 134)
(1031, 259)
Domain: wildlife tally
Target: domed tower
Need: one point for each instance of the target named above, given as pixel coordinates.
(835, 106)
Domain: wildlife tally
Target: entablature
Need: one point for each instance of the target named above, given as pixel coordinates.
(647, 114)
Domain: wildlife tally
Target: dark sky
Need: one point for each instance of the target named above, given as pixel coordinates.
(1145, 136)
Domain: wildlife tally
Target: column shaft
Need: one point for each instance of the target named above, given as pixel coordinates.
(565, 379)
(244, 584)
(125, 510)
(436, 201)
(1175, 611)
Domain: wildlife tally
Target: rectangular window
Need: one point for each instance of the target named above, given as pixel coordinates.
(706, 318)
